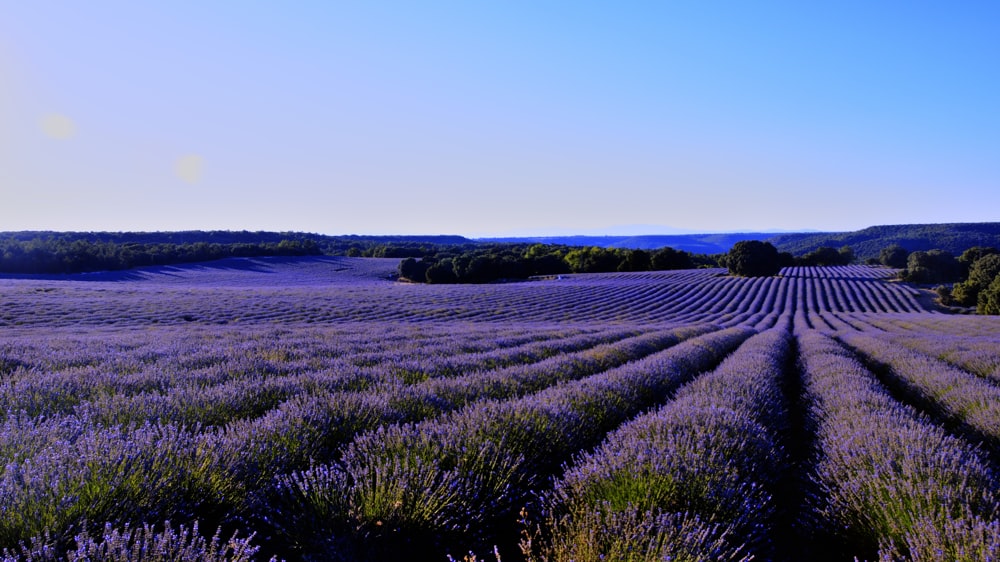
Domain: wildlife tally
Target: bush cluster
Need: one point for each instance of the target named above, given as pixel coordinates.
(488, 263)
(982, 286)
(970, 280)
(755, 258)
(54, 255)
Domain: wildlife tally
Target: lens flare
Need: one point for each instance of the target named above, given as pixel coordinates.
(189, 167)
(58, 126)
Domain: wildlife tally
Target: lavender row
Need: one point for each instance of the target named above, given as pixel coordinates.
(854, 289)
(87, 474)
(118, 363)
(61, 472)
(145, 543)
(252, 397)
(953, 325)
(972, 348)
(211, 379)
(889, 483)
(815, 295)
(850, 272)
(309, 428)
(140, 361)
(639, 297)
(445, 482)
(425, 365)
(203, 402)
(307, 415)
(693, 480)
(457, 347)
(80, 304)
(951, 393)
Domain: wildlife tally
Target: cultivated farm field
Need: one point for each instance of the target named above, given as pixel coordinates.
(316, 409)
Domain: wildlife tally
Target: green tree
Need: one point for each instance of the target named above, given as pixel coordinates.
(826, 255)
(989, 298)
(548, 264)
(894, 256)
(669, 258)
(964, 294)
(542, 259)
(753, 258)
(593, 259)
(981, 275)
(442, 272)
(932, 266)
(985, 270)
(944, 295)
(975, 253)
(970, 256)
(414, 270)
(635, 260)
(846, 255)
(477, 269)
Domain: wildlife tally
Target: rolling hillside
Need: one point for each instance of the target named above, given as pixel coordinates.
(311, 408)
(866, 243)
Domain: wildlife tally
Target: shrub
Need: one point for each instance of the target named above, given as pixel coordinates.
(894, 256)
(669, 258)
(933, 266)
(982, 273)
(753, 258)
(413, 269)
(989, 300)
(141, 544)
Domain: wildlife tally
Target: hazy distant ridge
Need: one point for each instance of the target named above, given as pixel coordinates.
(866, 243)
(63, 252)
(694, 243)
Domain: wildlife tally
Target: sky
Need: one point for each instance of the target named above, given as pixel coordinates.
(486, 118)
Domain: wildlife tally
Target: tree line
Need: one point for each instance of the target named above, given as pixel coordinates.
(756, 258)
(44, 252)
(867, 243)
(971, 279)
(493, 262)
(488, 263)
(61, 255)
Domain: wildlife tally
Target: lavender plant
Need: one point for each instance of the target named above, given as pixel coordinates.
(885, 474)
(954, 394)
(706, 463)
(415, 421)
(470, 469)
(142, 544)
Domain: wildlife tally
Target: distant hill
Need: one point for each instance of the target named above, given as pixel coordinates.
(229, 237)
(866, 243)
(33, 252)
(693, 243)
(67, 252)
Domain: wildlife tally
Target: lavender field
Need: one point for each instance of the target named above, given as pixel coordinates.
(316, 409)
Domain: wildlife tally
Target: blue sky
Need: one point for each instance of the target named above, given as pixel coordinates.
(497, 117)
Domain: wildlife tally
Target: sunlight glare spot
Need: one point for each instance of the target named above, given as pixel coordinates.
(58, 126)
(188, 168)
